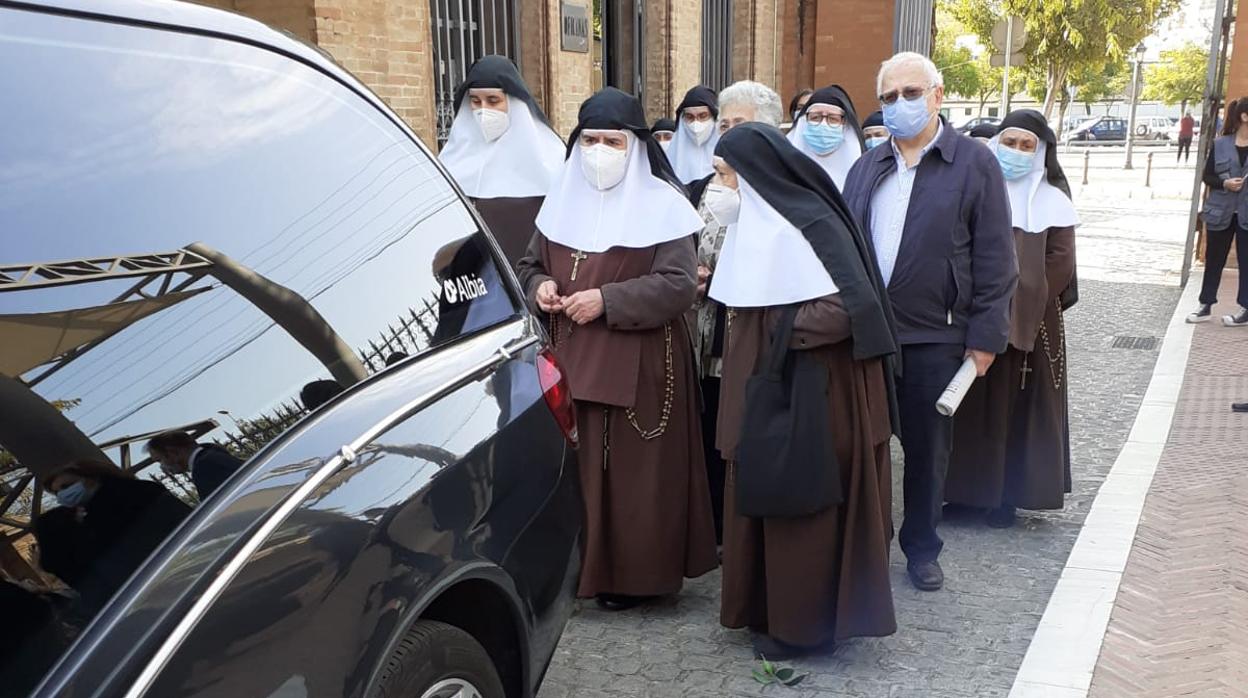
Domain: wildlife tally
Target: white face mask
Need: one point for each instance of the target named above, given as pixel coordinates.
(699, 131)
(603, 165)
(665, 145)
(723, 202)
(494, 123)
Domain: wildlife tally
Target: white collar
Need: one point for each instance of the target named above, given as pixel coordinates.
(765, 261)
(521, 163)
(641, 211)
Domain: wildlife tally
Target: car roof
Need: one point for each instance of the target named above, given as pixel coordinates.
(188, 16)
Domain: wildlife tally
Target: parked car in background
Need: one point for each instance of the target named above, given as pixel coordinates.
(1071, 123)
(1102, 129)
(1154, 128)
(977, 121)
(231, 237)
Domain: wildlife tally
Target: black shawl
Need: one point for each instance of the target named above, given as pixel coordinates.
(799, 189)
(499, 73)
(984, 130)
(700, 96)
(664, 125)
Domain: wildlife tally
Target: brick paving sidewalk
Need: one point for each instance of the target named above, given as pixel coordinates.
(1179, 624)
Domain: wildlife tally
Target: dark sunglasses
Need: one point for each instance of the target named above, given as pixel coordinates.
(907, 93)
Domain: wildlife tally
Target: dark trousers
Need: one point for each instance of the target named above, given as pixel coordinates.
(1217, 248)
(1185, 148)
(926, 438)
(715, 467)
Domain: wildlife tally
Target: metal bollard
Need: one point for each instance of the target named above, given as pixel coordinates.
(1087, 153)
(1148, 174)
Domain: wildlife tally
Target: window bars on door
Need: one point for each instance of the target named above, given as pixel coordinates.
(716, 43)
(463, 31)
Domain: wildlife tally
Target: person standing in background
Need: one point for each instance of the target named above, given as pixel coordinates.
(1226, 214)
(502, 151)
(827, 132)
(873, 129)
(1187, 129)
(693, 145)
(1011, 444)
(798, 103)
(717, 204)
(664, 130)
(984, 132)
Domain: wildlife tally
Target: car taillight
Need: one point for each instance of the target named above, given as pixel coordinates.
(558, 395)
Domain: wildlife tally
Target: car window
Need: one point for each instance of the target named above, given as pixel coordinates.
(202, 242)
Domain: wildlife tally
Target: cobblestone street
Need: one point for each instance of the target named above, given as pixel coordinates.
(970, 638)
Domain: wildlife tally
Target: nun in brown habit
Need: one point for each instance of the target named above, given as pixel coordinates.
(807, 581)
(1011, 434)
(502, 151)
(613, 268)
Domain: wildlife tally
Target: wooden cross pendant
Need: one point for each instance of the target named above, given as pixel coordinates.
(1025, 370)
(577, 258)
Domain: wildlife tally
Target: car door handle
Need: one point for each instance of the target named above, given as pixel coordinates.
(509, 350)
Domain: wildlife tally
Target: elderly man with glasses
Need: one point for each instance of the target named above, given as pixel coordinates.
(935, 204)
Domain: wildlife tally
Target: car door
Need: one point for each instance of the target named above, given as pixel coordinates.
(280, 269)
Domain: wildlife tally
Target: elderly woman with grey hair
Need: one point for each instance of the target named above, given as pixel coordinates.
(748, 101)
(715, 199)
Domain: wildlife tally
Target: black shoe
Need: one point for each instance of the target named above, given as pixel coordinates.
(773, 650)
(620, 602)
(926, 576)
(1204, 314)
(1239, 406)
(1001, 517)
(1240, 320)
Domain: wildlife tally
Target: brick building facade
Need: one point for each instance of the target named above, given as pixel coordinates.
(657, 46)
(1237, 65)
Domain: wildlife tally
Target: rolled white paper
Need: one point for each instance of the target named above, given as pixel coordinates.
(957, 389)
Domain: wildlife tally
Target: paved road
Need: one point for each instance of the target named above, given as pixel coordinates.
(966, 640)
(970, 638)
(1131, 232)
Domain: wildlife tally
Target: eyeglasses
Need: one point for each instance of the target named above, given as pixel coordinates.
(830, 119)
(907, 93)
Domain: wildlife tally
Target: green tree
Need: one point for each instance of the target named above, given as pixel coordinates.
(1096, 84)
(958, 66)
(1064, 38)
(1180, 76)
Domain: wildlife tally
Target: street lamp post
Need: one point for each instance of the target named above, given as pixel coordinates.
(1135, 101)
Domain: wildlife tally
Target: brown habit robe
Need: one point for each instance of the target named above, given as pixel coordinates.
(1011, 438)
(647, 505)
(511, 220)
(815, 579)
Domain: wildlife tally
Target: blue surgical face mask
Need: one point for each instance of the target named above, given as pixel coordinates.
(906, 118)
(74, 495)
(824, 138)
(1014, 163)
(876, 140)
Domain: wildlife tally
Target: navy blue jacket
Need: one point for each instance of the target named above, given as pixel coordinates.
(957, 266)
(213, 466)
